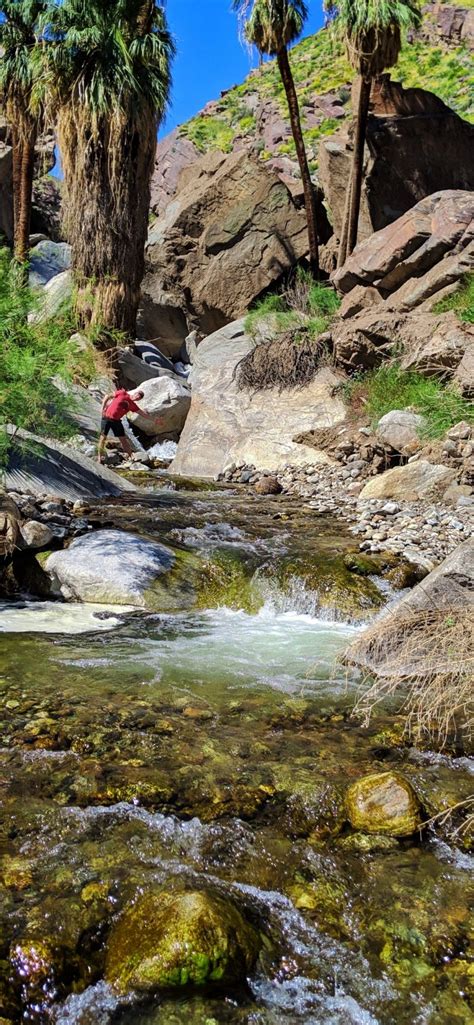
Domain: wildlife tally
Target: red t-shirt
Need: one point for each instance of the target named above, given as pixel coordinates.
(120, 405)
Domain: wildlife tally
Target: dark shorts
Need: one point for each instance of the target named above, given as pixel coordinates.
(114, 426)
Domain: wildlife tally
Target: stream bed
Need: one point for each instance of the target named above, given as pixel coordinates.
(211, 748)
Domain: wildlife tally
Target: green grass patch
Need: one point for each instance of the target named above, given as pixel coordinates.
(306, 307)
(389, 387)
(32, 355)
(209, 133)
(461, 301)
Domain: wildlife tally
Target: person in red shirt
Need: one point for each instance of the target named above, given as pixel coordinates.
(114, 408)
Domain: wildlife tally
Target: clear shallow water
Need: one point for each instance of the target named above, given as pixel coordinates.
(206, 749)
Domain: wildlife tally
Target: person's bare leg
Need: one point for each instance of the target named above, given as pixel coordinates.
(101, 448)
(127, 446)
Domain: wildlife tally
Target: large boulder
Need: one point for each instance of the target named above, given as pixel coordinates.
(410, 483)
(232, 231)
(425, 639)
(400, 429)
(167, 399)
(41, 466)
(47, 259)
(434, 344)
(412, 245)
(176, 940)
(401, 122)
(56, 293)
(134, 372)
(109, 566)
(227, 425)
(450, 585)
(383, 803)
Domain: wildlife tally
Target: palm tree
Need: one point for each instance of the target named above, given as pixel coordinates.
(372, 31)
(106, 70)
(272, 25)
(18, 40)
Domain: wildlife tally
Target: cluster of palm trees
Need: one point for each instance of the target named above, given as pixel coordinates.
(99, 70)
(372, 32)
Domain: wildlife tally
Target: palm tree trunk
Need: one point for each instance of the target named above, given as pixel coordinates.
(342, 254)
(295, 121)
(107, 170)
(25, 197)
(17, 157)
(358, 162)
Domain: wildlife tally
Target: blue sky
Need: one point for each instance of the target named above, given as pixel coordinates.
(210, 57)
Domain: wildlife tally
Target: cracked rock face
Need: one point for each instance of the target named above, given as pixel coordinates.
(232, 230)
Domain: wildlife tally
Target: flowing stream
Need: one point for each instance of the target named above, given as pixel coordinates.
(212, 748)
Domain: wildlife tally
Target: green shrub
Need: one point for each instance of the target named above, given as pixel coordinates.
(461, 301)
(389, 387)
(305, 308)
(31, 356)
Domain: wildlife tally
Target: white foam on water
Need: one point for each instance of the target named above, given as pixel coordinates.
(95, 1006)
(165, 450)
(453, 856)
(50, 617)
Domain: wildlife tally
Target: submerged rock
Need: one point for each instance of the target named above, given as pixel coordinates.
(383, 803)
(173, 940)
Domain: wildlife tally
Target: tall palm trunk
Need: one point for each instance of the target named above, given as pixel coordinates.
(24, 135)
(107, 168)
(17, 158)
(355, 184)
(23, 224)
(295, 120)
(342, 254)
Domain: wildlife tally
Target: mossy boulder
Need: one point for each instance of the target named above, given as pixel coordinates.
(169, 940)
(336, 588)
(383, 803)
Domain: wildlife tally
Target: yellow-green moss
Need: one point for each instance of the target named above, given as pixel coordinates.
(173, 940)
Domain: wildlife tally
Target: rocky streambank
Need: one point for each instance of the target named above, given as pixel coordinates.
(424, 530)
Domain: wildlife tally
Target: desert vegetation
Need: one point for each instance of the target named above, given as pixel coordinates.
(101, 74)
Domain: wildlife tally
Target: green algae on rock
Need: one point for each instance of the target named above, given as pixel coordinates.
(172, 940)
(384, 803)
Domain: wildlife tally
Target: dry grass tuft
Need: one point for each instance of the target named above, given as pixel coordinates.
(289, 360)
(427, 658)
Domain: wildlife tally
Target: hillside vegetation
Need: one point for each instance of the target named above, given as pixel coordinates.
(320, 68)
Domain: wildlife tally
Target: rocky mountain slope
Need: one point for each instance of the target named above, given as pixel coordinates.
(252, 116)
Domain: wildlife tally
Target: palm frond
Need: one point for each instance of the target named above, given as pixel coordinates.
(373, 30)
(271, 25)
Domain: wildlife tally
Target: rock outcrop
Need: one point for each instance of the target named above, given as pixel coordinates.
(41, 466)
(231, 232)
(402, 255)
(392, 283)
(433, 344)
(226, 425)
(44, 162)
(402, 122)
